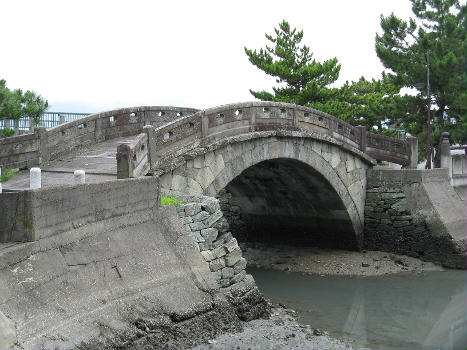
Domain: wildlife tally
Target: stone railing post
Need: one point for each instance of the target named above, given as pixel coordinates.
(151, 144)
(204, 126)
(79, 177)
(413, 157)
(252, 118)
(41, 135)
(62, 119)
(446, 161)
(35, 180)
(295, 118)
(98, 134)
(31, 123)
(16, 124)
(362, 131)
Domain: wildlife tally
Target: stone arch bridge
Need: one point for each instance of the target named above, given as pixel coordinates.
(289, 167)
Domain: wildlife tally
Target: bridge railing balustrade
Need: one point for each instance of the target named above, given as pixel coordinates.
(213, 124)
(44, 145)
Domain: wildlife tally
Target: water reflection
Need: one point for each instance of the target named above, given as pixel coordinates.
(416, 311)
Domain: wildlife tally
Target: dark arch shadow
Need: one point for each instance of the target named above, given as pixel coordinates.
(287, 201)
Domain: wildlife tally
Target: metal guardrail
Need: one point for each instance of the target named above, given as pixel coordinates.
(47, 120)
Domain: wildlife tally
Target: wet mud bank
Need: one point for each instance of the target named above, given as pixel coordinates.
(322, 261)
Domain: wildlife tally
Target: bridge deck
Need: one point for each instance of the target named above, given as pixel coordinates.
(98, 161)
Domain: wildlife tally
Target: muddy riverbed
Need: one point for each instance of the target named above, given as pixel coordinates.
(328, 262)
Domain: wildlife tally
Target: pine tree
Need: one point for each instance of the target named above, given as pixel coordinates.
(15, 104)
(440, 30)
(302, 79)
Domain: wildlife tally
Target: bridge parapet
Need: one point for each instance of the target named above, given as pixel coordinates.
(43, 145)
(132, 158)
(210, 125)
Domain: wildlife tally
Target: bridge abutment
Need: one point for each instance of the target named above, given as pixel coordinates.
(416, 213)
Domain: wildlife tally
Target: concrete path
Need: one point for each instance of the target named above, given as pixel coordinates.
(98, 161)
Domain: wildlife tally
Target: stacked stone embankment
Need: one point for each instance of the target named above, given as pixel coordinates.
(416, 213)
(206, 225)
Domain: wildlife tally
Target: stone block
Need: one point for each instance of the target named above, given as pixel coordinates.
(233, 257)
(196, 235)
(201, 216)
(205, 177)
(193, 188)
(400, 223)
(217, 275)
(400, 206)
(209, 204)
(238, 277)
(224, 283)
(392, 195)
(208, 255)
(217, 264)
(198, 162)
(231, 245)
(186, 219)
(227, 272)
(209, 234)
(219, 252)
(192, 209)
(213, 218)
(240, 266)
(197, 226)
(204, 246)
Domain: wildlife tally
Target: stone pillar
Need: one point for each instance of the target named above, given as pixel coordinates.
(362, 130)
(35, 178)
(413, 157)
(79, 177)
(62, 119)
(204, 126)
(295, 118)
(253, 118)
(151, 145)
(31, 123)
(16, 124)
(98, 132)
(446, 161)
(41, 134)
(0, 182)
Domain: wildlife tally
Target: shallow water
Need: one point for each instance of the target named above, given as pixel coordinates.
(404, 311)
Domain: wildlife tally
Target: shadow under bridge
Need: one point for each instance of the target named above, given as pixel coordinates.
(289, 202)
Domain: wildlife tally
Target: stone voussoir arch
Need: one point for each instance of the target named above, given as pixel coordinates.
(211, 169)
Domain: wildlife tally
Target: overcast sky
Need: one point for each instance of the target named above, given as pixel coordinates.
(97, 55)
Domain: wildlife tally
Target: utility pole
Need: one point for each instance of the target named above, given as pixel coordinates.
(428, 130)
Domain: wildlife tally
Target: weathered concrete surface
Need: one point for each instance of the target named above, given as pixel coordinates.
(100, 288)
(111, 268)
(35, 214)
(417, 213)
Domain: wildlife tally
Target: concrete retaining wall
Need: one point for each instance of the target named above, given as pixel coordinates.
(107, 268)
(417, 213)
(31, 215)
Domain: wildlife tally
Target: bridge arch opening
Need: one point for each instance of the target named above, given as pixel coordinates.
(286, 201)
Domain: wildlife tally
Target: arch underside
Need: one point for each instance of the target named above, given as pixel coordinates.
(282, 183)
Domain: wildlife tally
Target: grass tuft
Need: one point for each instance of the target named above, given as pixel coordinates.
(168, 200)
